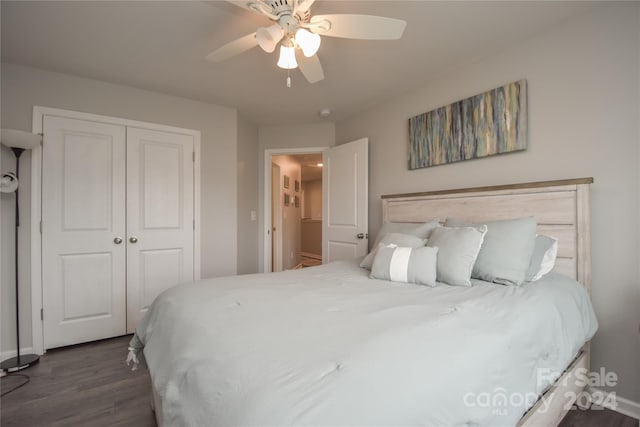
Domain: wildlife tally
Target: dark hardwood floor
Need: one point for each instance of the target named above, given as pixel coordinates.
(89, 385)
(84, 385)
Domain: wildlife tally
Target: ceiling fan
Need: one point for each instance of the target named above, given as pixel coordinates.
(297, 31)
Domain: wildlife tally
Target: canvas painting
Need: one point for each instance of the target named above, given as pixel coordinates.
(493, 122)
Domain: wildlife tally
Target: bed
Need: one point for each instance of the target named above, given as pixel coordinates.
(330, 346)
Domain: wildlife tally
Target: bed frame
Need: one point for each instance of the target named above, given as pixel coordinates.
(561, 209)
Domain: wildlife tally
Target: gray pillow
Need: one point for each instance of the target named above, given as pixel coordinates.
(543, 258)
(398, 239)
(506, 252)
(458, 248)
(407, 265)
(422, 230)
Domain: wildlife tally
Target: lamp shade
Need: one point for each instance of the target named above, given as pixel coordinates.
(308, 42)
(268, 37)
(13, 138)
(287, 58)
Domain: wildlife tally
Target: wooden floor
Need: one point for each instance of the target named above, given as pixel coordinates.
(89, 385)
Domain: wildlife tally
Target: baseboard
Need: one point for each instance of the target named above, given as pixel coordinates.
(310, 255)
(619, 404)
(12, 353)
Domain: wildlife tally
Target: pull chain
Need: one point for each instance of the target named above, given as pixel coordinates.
(288, 79)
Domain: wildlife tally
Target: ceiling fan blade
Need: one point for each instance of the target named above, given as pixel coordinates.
(364, 27)
(304, 5)
(311, 68)
(233, 48)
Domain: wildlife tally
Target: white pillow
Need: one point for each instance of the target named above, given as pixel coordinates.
(458, 249)
(398, 239)
(544, 257)
(406, 265)
(421, 230)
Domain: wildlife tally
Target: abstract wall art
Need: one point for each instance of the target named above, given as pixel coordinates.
(493, 122)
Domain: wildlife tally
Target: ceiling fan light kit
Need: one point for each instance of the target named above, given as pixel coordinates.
(269, 37)
(287, 58)
(295, 29)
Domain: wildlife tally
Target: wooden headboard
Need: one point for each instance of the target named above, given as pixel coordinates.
(561, 209)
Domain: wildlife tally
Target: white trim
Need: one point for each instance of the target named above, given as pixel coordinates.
(13, 353)
(37, 331)
(268, 154)
(623, 406)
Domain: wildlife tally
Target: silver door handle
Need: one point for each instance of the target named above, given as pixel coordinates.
(117, 240)
(133, 239)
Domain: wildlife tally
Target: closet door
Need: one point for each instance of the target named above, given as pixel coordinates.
(160, 220)
(83, 218)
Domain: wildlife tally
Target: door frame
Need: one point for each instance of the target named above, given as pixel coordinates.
(276, 238)
(268, 154)
(37, 327)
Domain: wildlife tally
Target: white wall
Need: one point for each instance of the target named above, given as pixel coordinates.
(291, 215)
(312, 199)
(247, 197)
(583, 121)
(24, 87)
(287, 137)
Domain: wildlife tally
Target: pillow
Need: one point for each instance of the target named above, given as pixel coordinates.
(407, 265)
(506, 252)
(419, 230)
(398, 239)
(458, 248)
(544, 257)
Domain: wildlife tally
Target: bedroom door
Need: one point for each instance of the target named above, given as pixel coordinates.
(83, 216)
(345, 208)
(159, 216)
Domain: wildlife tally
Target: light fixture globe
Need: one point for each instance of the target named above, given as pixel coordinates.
(287, 58)
(268, 37)
(308, 42)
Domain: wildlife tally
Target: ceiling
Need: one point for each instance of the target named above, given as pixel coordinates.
(161, 45)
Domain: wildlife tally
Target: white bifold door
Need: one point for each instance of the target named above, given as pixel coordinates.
(117, 225)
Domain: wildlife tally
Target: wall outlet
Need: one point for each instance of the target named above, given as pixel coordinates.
(254, 215)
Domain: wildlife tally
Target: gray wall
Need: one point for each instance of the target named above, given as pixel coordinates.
(295, 136)
(24, 87)
(247, 197)
(583, 118)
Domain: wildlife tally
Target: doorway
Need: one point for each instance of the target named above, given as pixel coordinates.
(293, 223)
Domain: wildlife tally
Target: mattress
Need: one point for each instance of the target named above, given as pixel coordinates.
(330, 346)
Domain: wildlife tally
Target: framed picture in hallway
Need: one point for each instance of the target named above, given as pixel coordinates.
(286, 199)
(286, 181)
(296, 201)
(296, 185)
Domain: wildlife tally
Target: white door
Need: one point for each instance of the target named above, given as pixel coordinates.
(160, 220)
(83, 216)
(345, 190)
(276, 218)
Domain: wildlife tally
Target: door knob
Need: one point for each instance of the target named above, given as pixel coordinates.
(360, 235)
(117, 240)
(133, 239)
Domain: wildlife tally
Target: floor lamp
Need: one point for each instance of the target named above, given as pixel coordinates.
(18, 141)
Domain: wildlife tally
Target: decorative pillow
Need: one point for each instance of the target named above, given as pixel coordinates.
(506, 252)
(398, 239)
(419, 230)
(407, 265)
(544, 257)
(458, 248)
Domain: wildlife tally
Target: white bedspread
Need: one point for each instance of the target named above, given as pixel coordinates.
(329, 346)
